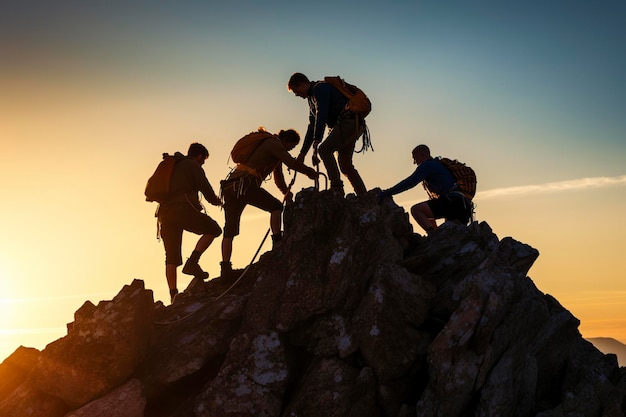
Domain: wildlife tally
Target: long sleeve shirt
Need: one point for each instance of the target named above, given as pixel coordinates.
(325, 105)
(437, 179)
(268, 158)
(187, 180)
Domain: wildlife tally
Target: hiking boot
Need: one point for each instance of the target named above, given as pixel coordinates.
(430, 231)
(193, 268)
(337, 189)
(173, 294)
(357, 184)
(226, 269)
(276, 238)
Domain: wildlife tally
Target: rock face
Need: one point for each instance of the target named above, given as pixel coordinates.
(352, 314)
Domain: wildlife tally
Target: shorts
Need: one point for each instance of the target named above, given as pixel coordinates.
(238, 194)
(451, 207)
(181, 216)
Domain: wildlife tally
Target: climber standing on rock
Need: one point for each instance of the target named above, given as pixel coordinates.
(329, 107)
(258, 155)
(181, 210)
(448, 199)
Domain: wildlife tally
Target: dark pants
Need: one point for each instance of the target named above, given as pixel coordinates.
(342, 139)
(452, 207)
(238, 194)
(180, 216)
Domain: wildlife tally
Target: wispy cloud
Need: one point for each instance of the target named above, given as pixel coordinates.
(595, 298)
(570, 185)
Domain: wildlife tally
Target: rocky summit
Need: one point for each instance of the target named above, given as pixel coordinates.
(351, 314)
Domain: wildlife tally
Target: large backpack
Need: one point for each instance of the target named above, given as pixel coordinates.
(158, 185)
(245, 146)
(358, 103)
(357, 100)
(464, 176)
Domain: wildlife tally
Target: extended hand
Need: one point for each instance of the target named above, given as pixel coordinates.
(312, 174)
(315, 159)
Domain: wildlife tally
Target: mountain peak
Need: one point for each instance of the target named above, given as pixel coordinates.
(352, 314)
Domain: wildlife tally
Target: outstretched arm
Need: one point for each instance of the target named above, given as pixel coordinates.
(205, 187)
(411, 181)
(308, 138)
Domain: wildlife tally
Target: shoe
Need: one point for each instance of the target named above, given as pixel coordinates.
(173, 294)
(338, 189)
(193, 268)
(226, 269)
(276, 239)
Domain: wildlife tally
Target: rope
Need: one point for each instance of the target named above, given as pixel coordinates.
(317, 181)
(316, 162)
(367, 140)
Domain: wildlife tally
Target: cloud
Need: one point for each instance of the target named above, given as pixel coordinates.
(570, 185)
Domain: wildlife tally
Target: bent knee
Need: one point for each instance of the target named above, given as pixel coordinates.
(324, 150)
(422, 208)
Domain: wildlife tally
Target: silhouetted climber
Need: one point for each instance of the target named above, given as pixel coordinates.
(183, 211)
(327, 107)
(447, 201)
(258, 155)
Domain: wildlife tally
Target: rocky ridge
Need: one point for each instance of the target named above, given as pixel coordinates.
(351, 315)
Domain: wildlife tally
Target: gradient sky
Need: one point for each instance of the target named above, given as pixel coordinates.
(531, 94)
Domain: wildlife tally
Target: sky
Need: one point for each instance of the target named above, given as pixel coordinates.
(532, 95)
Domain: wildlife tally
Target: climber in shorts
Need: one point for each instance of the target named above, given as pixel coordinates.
(447, 203)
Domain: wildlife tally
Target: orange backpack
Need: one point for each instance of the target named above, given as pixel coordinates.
(464, 176)
(158, 185)
(357, 100)
(245, 146)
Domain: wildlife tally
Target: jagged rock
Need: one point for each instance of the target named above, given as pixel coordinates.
(190, 340)
(329, 384)
(103, 347)
(352, 314)
(332, 272)
(252, 380)
(395, 299)
(15, 369)
(125, 401)
(27, 400)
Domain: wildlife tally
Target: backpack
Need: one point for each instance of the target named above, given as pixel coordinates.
(158, 185)
(357, 100)
(245, 146)
(464, 175)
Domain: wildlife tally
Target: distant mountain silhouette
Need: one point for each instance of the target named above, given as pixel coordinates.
(609, 345)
